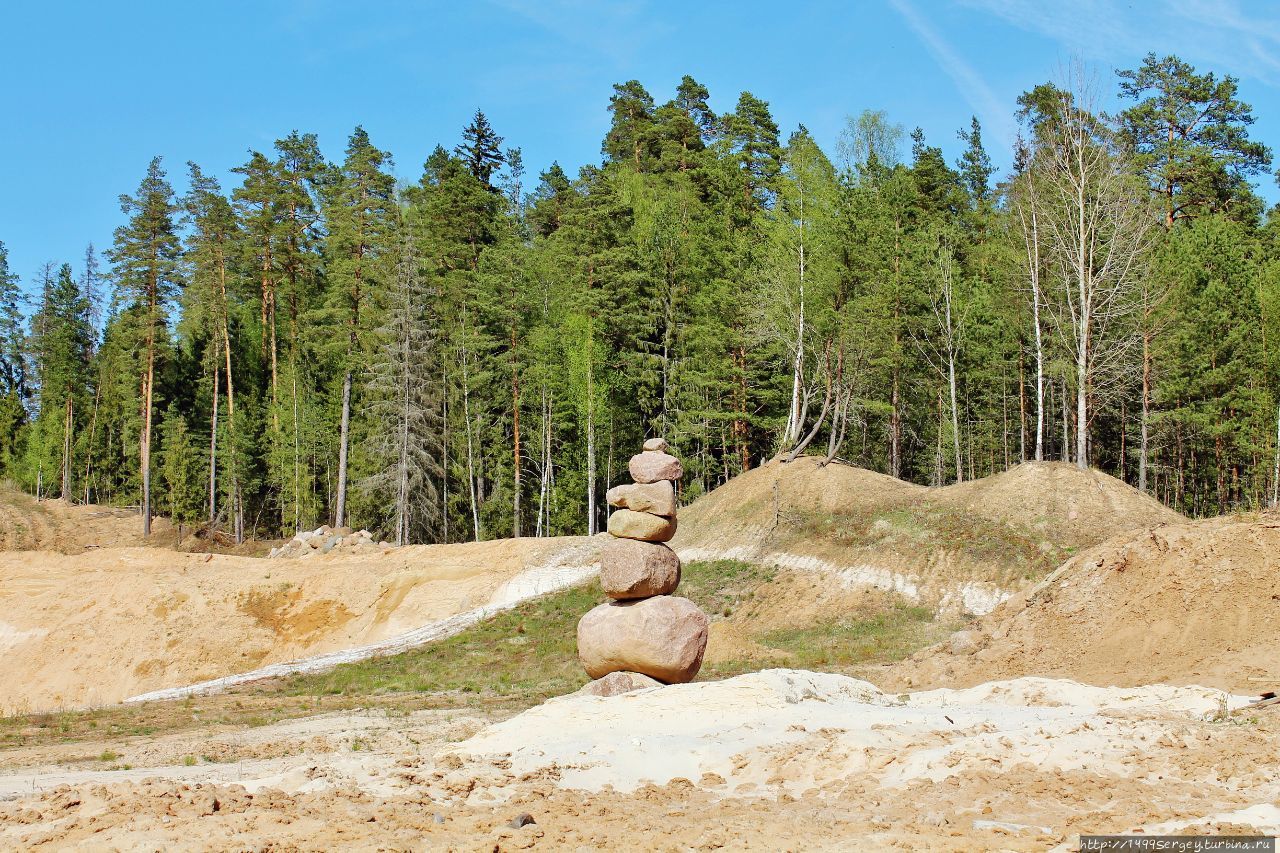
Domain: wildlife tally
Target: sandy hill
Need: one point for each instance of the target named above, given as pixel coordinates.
(1197, 602)
(55, 525)
(106, 625)
(958, 549)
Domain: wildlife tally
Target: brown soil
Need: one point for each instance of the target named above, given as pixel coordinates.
(1192, 603)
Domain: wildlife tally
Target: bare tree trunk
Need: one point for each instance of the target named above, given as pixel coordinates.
(344, 435)
(93, 424)
(1275, 471)
(591, 436)
(794, 419)
(1146, 402)
(955, 417)
(402, 468)
(297, 454)
(822, 416)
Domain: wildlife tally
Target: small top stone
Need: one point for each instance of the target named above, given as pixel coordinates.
(658, 444)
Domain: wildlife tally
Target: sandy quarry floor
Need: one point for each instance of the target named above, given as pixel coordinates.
(782, 759)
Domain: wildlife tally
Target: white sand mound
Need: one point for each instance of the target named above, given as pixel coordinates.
(793, 731)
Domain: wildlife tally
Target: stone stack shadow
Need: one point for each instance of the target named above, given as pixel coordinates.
(644, 636)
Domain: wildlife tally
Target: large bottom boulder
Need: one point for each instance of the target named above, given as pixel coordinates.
(663, 637)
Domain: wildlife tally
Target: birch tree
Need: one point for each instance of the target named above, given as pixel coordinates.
(1097, 235)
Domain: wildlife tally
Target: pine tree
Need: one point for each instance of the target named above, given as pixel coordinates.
(361, 213)
(145, 257)
(1190, 137)
(12, 359)
(974, 165)
(208, 308)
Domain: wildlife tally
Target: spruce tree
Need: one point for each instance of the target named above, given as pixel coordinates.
(481, 149)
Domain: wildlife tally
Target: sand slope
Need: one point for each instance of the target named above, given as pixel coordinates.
(959, 549)
(1197, 602)
(113, 623)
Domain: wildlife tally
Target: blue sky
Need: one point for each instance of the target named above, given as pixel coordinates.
(91, 91)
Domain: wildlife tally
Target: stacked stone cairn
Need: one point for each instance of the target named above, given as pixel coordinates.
(644, 635)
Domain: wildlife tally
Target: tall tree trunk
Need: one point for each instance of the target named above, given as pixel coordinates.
(740, 427)
(93, 424)
(1146, 398)
(1022, 407)
(344, 434)
(145, 438)
(794, 422)
(955, 416)
(213, 445)
(471, 463)
(237, 508)
(68, 420)
(1275, 470)
(515, 452)
(591, 436)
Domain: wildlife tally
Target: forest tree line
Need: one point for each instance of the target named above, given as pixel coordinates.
(477, 354)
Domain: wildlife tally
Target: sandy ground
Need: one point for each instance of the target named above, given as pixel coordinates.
(103, 626)
(55, 525)
(782, 759)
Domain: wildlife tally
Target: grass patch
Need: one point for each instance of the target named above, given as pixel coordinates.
(921, 527)
(848, 645)
(528, 653)
(859, 639)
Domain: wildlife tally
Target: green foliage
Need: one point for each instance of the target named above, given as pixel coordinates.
(711, 279)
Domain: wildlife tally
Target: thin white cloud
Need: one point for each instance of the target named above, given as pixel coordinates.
(1223, 35)
(992, 111)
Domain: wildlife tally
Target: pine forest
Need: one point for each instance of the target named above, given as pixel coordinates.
(476, 354)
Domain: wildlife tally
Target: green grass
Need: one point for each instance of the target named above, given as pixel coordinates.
(528, 653)
(858, 639)
(922, 527)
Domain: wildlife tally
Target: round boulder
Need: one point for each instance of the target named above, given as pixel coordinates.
(629, 524)
(652, 466)
(663, 637)
(630, 568)
(658, 444)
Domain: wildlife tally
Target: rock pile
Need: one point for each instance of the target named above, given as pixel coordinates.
(324, 539)
(644, 630)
